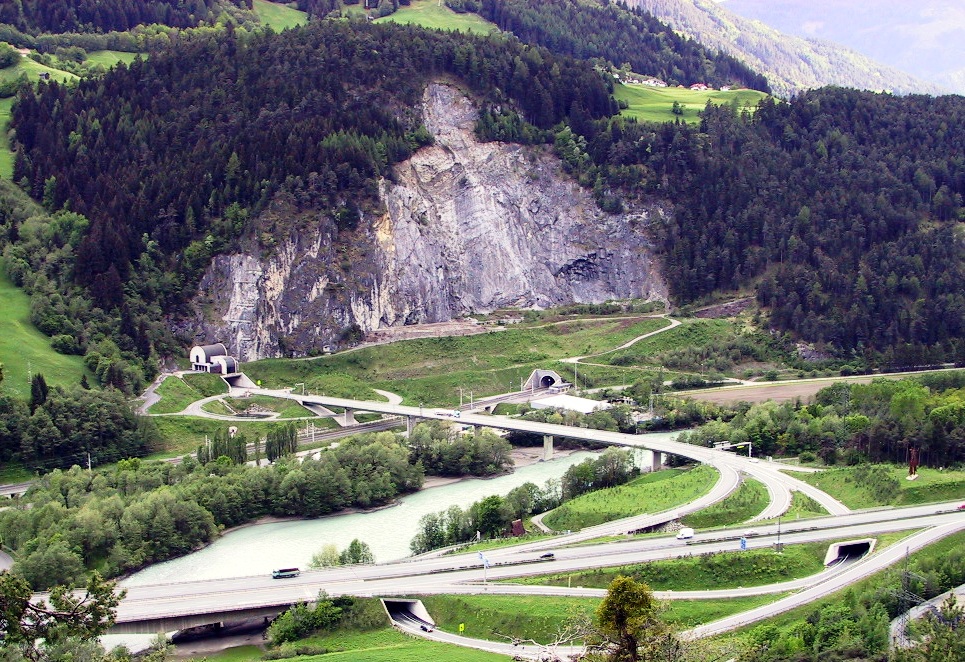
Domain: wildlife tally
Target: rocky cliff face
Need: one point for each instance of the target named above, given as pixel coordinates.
(469, 227)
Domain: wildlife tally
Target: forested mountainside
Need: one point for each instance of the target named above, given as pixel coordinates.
(791, 64)
(587, 30)
(58, 16)
(844, 206)
(169, 163)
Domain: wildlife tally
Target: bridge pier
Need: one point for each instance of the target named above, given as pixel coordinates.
(657, 462)
(409, 425)
(547, 447)
(350, 417)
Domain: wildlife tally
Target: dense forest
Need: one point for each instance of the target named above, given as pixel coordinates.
(62, 427)
(845, 206)
(852, 423)
(58, 16)
(618, 35)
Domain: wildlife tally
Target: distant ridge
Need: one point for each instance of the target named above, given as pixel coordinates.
(791, 64)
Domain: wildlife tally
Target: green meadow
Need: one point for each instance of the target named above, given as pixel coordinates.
(655, 104)
(278, 16)
(433, 14)
(25, 351)
(434, 369)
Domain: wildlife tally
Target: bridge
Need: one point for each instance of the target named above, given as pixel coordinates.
(730, 466)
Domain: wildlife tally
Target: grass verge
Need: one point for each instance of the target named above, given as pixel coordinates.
(754, 567)
(525, 616)
(650, 493)
(750, 499)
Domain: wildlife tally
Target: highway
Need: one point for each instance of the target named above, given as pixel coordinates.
(462, 573)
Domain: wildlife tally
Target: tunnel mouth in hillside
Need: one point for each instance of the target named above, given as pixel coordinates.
(407, 611)
(848, 551)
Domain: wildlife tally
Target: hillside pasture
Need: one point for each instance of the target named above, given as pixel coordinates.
(278, 16)
(108, 59)
(435, 15)
(25, 351)
(655, 104)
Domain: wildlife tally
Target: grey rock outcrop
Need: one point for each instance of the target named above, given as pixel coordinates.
(469, 227)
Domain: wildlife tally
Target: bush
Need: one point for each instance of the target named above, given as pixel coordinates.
(8, 56)
(807, 457)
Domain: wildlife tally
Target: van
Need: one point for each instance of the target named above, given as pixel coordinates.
(685, 533)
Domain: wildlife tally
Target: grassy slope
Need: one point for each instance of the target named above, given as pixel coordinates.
(434, 15)
(654, 104)
(931, 485)
(650, 493)
(432, 370)
(24, 349)
(279, 17)
(749, 500)
(108, 59)
(693, 332)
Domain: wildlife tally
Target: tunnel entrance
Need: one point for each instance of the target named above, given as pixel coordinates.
(849, 551)
(408, 612)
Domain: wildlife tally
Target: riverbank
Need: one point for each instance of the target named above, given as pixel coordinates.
(522, 457)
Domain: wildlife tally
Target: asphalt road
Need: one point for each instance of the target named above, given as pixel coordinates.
(463, 573)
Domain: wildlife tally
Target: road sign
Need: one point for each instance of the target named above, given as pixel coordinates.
(743, 543)
(462, 627)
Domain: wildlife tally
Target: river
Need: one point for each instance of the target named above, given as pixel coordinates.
(256, 550)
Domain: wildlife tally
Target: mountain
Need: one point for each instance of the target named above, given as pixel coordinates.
(791, 64)
(925, 38)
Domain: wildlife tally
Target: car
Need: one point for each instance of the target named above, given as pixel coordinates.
(962, 507)
(754, 460)
(425, 628)
(549, 556)
(750, 533)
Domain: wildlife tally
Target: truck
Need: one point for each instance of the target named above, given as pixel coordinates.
(284, 573)
(685, 533)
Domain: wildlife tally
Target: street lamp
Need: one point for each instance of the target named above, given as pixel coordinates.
(778, 546)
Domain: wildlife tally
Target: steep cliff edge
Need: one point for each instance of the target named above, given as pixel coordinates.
(469, 227)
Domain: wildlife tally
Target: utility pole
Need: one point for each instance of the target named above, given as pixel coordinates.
(88, 463)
